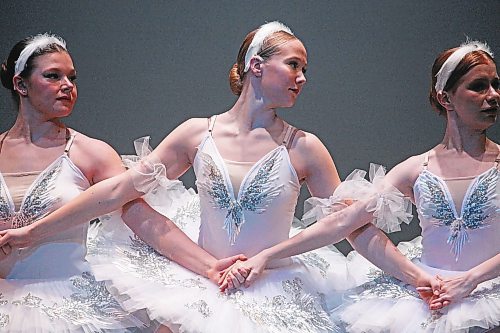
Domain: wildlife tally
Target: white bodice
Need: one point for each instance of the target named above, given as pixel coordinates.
(61, 255)
(458, 240)
(258, 216)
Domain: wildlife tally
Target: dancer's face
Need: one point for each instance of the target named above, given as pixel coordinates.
(51, 87)
(283, 74)
(476, 99)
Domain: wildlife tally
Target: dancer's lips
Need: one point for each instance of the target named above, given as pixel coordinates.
(64, 97)
(493, 110)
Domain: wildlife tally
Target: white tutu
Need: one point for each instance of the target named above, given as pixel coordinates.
(295, 295)
(385, 304)
(294, 298)
(79, 304)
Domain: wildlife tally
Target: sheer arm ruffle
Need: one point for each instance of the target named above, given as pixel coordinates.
(389, 206)
(149, 174)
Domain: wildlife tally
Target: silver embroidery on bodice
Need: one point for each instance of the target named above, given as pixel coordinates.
(37, 203)
(5, 211)
(254, 197)
(477, 212)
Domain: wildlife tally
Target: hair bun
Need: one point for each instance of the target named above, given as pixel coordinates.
(5, 77)
(235, 80)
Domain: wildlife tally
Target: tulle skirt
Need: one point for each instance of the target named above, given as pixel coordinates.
(78, 304)
(385, 304)
(296, 297)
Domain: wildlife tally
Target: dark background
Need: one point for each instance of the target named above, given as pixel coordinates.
(146, 66)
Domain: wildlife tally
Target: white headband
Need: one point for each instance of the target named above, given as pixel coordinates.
(264, 31)
(454, 59)
(38, 42)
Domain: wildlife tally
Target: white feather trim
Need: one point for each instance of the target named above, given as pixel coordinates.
(36, 43)
(264, 31)
(452, 62)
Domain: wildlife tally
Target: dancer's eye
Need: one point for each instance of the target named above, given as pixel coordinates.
(51, 75)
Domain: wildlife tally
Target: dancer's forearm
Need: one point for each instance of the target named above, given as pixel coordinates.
(374, 245)
(485, 271)
(166, 238)
(330, 229)
(102, 198)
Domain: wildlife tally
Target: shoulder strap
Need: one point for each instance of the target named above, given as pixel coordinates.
(497, 160)
(289, 136)
(70, 137)
(211, 123)
(426, 160)
(3, 139)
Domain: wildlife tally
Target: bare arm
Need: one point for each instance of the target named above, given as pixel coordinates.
(330, 229)
(97, 161)
(316, 168)
(166, 238)
(107, 195)
(315, 165)
(485, 271)
(373, 244)
(322, 179)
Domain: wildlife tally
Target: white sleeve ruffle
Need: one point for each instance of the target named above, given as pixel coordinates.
(389, 206)
(150, 175)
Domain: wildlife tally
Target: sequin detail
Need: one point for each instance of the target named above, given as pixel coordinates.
(5, 210)
(253, 198)
(414, 252)
(4, 320)
(382, 285)
(491, 292)
(89, 304)
(432, 319)
(315, 260)
(476, 210)
(95, 240)
(36, 204)
(188, 212)
(443, 211)
(148, 264)
(2, 300)
(29, 301)
(292, 311)
(202, 308)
